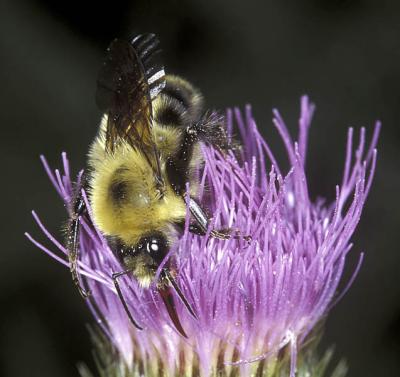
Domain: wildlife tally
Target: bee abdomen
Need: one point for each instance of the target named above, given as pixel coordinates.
(179, 104)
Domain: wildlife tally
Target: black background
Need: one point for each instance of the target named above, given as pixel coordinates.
(344, 54)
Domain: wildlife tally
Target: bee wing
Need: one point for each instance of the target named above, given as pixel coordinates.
(131, 77)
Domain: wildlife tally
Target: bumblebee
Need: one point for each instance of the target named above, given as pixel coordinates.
(146, 150)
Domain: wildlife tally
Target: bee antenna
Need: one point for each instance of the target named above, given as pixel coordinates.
(115, 277)
(182, 297)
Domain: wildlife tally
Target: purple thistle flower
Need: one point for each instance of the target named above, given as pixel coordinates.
(255, 302)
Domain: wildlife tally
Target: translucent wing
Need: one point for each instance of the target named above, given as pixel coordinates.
(131, 77)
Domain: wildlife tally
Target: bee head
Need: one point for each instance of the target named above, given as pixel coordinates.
(145, 257)
(155, 246)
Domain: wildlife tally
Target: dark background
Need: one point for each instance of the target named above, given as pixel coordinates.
(344, 54)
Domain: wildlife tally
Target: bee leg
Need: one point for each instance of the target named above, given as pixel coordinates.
(211, 129)
(202, 222)
(115, 277)
(73, 232)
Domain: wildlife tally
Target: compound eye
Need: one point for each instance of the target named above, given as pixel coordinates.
(157, 246)
(153, 246)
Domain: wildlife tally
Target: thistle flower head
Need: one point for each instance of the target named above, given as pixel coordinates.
(255, 302)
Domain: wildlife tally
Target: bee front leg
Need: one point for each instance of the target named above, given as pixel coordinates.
(202, 222)
(73, 231)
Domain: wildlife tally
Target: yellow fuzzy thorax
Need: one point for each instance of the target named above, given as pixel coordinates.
(142, 210)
